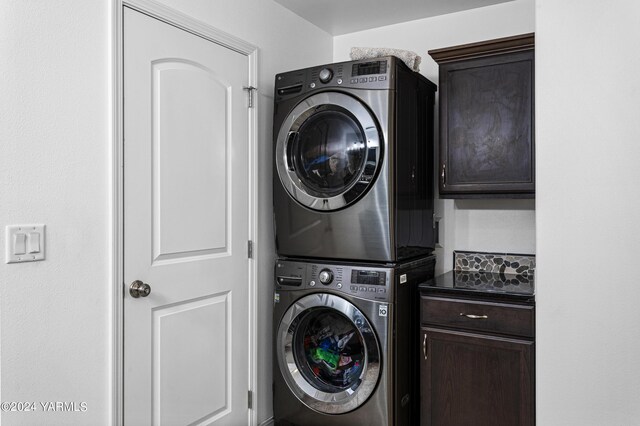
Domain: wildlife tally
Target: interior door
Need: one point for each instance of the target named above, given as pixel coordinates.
(186, 344)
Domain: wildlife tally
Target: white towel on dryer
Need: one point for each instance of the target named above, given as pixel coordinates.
(411, 59)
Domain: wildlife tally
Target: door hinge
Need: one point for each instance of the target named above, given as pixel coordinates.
(250, 90)
(250, 249)
(250, 399)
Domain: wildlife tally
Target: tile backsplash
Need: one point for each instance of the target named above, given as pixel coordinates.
(506, 263)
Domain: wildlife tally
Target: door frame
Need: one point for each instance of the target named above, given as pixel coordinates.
(200, 29)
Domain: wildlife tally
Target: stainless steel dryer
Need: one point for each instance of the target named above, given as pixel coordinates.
(345, 344)
(354, 167)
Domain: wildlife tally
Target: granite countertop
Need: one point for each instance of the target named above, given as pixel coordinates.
(474, 283)
(496, 284)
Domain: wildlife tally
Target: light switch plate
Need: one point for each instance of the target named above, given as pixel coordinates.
(24, 243)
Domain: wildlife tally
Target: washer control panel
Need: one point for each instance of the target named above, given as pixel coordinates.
(358, 280)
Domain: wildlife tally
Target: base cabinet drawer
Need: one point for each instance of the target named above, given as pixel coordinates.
(490, 317)
(475, 379)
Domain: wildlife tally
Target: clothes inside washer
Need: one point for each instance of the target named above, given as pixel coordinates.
(333, 350)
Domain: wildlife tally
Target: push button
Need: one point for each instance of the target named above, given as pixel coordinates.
(382, 78)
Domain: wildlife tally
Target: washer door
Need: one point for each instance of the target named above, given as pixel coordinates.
(328, 151)
(328, 353)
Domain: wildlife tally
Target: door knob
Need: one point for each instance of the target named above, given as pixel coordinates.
(139, 289)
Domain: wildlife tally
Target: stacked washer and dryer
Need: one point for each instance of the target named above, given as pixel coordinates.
(353, 208)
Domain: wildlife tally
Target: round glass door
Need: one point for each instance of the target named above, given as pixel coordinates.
(328, 353)
(327, 151)
(329, 350)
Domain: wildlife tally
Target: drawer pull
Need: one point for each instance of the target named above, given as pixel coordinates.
(471, 316)
(424, 346)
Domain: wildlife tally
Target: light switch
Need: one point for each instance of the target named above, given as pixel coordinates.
(19, 243)
(24, 243)
(34, 242)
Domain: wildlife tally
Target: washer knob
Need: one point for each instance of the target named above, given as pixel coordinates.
(325, 276)
(325, 75)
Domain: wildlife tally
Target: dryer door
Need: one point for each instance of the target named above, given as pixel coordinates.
(328, 151)
(328, 353)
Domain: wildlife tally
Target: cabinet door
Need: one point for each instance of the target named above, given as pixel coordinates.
(474, 379)
(487, 126)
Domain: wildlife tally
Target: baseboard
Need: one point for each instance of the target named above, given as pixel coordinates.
(268, 422)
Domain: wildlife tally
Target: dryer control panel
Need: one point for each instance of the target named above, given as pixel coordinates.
(363, 281)
(363, 74)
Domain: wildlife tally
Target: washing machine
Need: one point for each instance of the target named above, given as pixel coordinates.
(354, 168)
(346, 343)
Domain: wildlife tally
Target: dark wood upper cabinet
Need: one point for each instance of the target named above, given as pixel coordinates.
(487, 147)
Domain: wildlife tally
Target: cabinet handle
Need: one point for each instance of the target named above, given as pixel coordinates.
(444, 175)
(471, 316)
(424, 346)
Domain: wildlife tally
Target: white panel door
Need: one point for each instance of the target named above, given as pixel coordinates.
(186, 222)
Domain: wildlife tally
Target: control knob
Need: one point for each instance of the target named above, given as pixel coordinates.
(325, 276)
(325, 75)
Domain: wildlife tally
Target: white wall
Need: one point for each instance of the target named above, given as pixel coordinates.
(55, 169)
(493, 225)
(588, 232)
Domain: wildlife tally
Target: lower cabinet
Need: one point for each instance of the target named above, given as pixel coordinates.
(473, 377)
